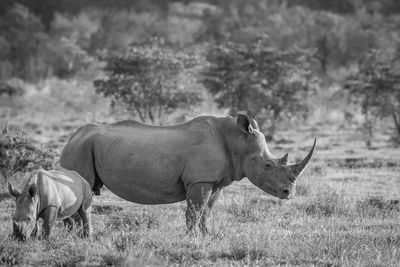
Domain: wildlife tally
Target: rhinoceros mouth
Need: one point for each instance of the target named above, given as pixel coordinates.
(285, 193)
(19, 235)
(280, 193)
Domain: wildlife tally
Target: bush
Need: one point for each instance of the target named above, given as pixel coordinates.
(17, 154)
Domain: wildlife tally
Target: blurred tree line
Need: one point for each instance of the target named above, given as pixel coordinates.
(47, 8)
(302, 41)
(43, 38)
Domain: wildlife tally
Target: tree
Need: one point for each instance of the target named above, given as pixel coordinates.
(376, 88)
(260, 80)
(152, 81)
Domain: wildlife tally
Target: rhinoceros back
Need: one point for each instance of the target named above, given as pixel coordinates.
(63, 189)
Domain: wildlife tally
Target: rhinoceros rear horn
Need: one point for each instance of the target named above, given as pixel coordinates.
(298, 168)
(284, 159)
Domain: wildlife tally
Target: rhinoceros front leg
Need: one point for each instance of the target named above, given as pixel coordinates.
(35, 233)
(207, 211)
(197, 197)
(49, 216)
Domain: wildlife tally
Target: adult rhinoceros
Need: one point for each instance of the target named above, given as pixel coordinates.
(158, 165)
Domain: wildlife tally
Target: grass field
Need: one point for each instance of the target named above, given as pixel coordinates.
(314, 69)
(346, 213)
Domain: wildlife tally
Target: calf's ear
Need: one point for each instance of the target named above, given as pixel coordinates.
(32, 190)
(12, 192)
(243, 122)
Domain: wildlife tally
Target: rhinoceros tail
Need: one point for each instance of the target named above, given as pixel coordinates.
(97, 181)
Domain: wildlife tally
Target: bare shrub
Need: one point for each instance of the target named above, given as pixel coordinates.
(18, 154)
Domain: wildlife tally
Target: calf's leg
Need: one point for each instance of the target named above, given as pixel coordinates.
(84, 212)
(49, 216)
(34, 233)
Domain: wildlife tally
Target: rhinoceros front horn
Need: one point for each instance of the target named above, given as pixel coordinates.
(298, 168)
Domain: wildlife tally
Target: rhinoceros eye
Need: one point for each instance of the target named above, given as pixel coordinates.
(269, 164)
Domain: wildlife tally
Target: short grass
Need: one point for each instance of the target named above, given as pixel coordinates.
(346, 213)
(323, 229)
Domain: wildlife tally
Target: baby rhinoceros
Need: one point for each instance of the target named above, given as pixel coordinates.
(51, 195)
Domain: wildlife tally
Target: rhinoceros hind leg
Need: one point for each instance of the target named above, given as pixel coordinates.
(197, 197)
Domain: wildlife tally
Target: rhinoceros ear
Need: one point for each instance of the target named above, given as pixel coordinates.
(243, 122)
(12, 192)
(255, 124)
(32, 190)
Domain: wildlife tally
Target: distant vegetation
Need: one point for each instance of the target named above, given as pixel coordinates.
(376, 87)
(84, 41)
